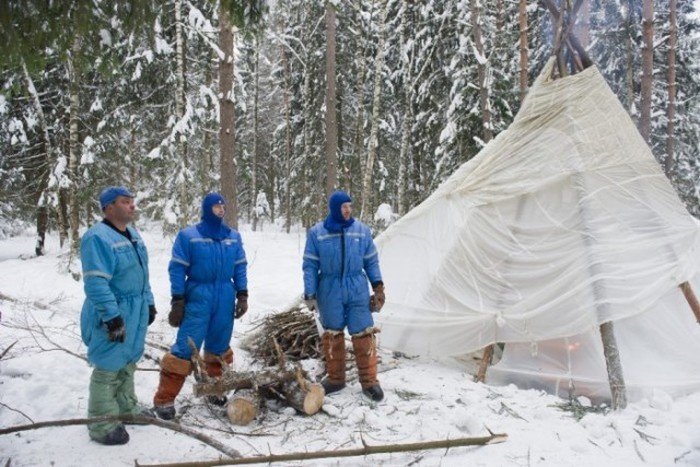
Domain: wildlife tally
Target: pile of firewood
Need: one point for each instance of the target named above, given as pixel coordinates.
(294, 331)
(285, 381)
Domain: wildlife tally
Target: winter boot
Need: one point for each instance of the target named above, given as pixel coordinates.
(172, 376)
(334, 354)
(143, 412)
(214, 370)
(115, 437)
(365, 347)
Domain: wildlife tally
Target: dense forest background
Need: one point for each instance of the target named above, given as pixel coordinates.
(276, 103)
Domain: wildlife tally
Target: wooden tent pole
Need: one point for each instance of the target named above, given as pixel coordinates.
(484, 364)
(618, 390)
(691, 298)
(607, 334)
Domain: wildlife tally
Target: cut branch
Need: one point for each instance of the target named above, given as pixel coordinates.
(492, 438)
(137, 419)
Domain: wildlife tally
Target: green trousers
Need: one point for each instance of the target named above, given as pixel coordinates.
(111, 393)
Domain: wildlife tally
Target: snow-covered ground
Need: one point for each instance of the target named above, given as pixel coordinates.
(44, 377)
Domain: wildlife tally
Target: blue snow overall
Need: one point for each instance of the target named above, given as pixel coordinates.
(208, 267)
(339, 258)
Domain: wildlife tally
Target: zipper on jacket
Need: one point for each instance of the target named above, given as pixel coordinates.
(342, 253)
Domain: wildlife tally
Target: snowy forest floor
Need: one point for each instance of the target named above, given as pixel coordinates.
(45, 377)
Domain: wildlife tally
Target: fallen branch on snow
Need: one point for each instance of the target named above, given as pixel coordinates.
(136, 419)
(365, 450)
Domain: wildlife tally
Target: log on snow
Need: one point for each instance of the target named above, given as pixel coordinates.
(235, 380)
(244, 406)
(306, 397)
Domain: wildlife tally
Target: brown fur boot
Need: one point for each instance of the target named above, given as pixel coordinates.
(173, 372)
(213, 362)
(365, 347)
(214, 370)
(334, 354)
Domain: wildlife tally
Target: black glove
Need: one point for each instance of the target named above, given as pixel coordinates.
(151, 314)
(241, 304)
(376, 301)
(310, 301)
(177, 311)
(115, 329)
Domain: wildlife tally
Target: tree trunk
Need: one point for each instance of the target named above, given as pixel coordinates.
(629, 59)
(500, 18)
(254, 162)
(583, 24)
(331, 122)
(62, 210)
(73, 146)
(403, 157)
(647, 68)
(227, 119)
(286, 70)
(307, 192)
(182, 183)
(671, 108)
(524, 50)
(42, 215)
(485, 108)
(374, 132)
(407, 114)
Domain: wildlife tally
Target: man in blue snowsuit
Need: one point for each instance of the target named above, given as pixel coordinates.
(207, 275)
(118, 307)
(339, 259)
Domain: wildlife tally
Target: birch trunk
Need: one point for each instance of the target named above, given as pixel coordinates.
(374, 132)
(183, 184)
(482, 72)
(73, 146)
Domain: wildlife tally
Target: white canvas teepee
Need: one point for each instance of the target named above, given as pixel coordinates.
(563, 222)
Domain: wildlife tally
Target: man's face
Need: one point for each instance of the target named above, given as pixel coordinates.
(219, 210)
(346, 210)
(122, 209)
